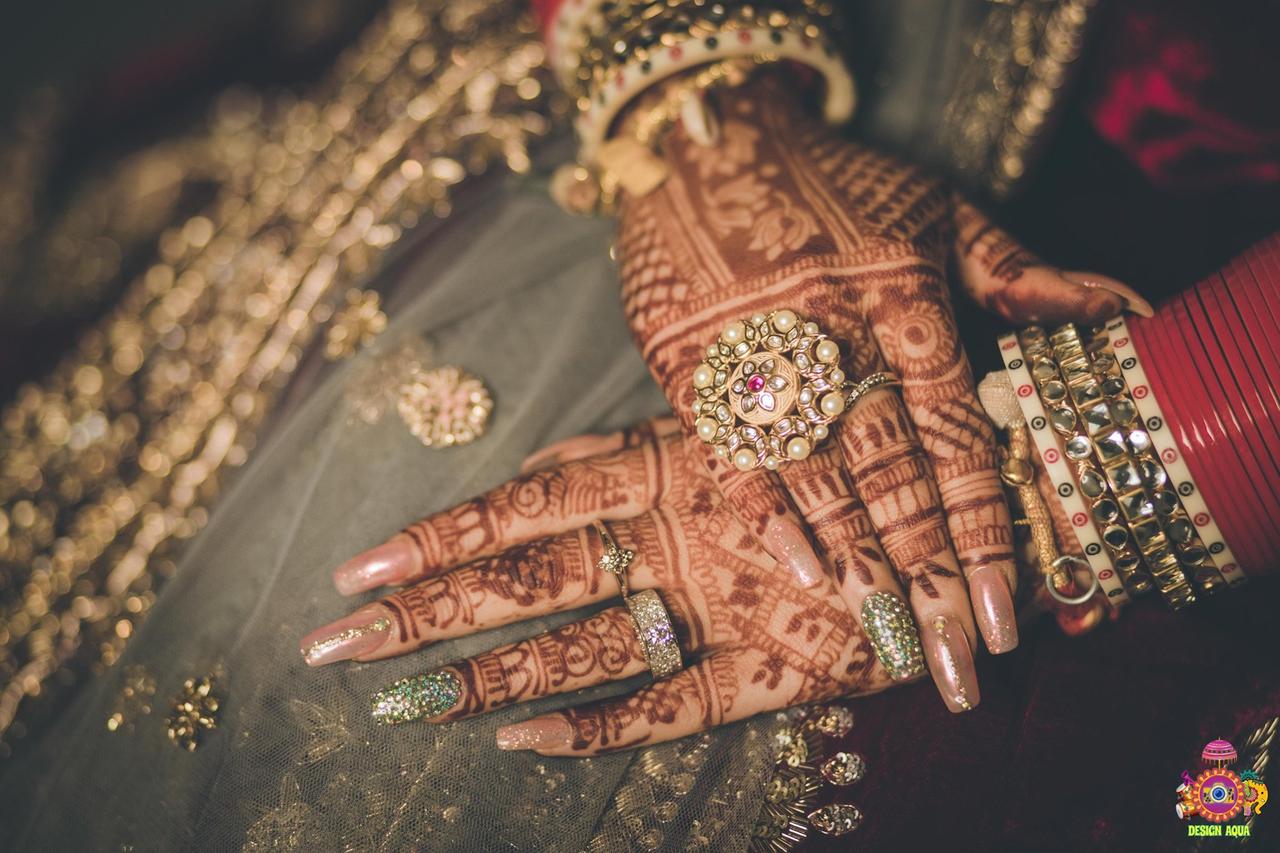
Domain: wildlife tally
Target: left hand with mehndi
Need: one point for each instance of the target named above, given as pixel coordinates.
(754, 639)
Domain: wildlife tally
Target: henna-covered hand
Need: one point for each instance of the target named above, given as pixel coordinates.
(754, 639)
(783, 213)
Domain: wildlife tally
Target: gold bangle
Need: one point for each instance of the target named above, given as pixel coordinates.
(657, 637)
(1046, 372)
(1174, 518)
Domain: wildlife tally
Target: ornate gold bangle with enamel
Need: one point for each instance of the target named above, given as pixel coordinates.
(768, 390)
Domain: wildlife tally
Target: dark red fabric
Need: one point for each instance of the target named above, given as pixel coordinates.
(1186, 89)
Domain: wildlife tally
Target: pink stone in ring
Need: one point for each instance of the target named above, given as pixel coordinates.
(755, 383)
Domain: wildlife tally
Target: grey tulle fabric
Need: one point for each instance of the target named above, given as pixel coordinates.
(525, 297)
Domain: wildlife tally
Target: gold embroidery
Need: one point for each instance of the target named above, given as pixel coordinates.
(355, 325)
(112, 461)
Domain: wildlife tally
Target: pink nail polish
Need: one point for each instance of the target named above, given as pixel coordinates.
(390, 563)
(538, 733)
(790, 547)
(951, 664)
(993, 607)
(361, 633)
(1133, 300)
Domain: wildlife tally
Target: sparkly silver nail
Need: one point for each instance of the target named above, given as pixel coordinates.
(892, 631)
(426, 695)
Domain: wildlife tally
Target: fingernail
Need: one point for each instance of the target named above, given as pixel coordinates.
(1133, 300)
(537, 733)
(391, 562)
(888, 624)
(419, 696)
(541, 459)
(789, 546)
(361, 633)
(993, 607)
(951, 664)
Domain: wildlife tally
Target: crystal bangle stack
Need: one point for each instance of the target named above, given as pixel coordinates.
(1047, 445)
(1169, 511)
(607, 53)
(1109, 436)
(1165, 446)
(1057, 395)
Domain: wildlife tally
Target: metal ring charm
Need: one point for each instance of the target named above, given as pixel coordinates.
(657, 637)
(768, 389)
(880, 379)
(615, 559)
(1080, 599)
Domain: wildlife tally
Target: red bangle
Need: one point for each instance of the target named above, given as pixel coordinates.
(1225, 392)
(1259, 405)
(1238, 521)
(1216, 379)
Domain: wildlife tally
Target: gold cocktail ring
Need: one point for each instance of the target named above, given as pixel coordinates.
(770, 387)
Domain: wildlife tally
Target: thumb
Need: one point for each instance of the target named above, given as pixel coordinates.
(1006, 279)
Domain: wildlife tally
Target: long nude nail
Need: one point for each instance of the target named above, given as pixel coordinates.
(888, 624)
(1133, 300)
(390, 563)
(417, 697)
(789, 546)
(993, 607)
(951, 664)
(361, 633)
(538, 733)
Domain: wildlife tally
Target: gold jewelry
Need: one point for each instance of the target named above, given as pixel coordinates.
(1016, 471)
(768, 390)
(657, 637)
(881, 379)
(615, 560)
(445, 407)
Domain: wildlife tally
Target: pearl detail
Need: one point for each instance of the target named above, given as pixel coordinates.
(772, 463)
(826, 351)
(703, 376)
(832, 404)
(784, 320)
(733, 334)
(820, 432)
(836, 376)
(744, 459)
(706, 428)
(798, 448)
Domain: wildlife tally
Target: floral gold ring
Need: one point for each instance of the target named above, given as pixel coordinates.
(770, 387)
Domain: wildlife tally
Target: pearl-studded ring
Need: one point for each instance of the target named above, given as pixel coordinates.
(770, 387)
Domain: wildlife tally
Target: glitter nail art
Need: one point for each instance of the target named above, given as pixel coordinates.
(319, 650)
(426, 695)
(893, 635)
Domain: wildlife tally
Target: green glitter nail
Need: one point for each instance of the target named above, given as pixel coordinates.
(888, 624)
(426, 695)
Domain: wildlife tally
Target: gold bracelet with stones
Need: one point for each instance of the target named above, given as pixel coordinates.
(1042, 361)
(1136, 479)
(620, 32)
(1175, 521)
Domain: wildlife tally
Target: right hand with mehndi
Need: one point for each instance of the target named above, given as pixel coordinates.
(753, 638)
(782, 218)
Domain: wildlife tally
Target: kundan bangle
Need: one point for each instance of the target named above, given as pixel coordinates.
(1060, 475)
(1046, 371)
(607, 53)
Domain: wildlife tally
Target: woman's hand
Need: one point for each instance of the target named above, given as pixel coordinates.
(753, 638)
(782, 213)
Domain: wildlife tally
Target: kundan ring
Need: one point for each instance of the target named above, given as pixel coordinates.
(769, 388)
